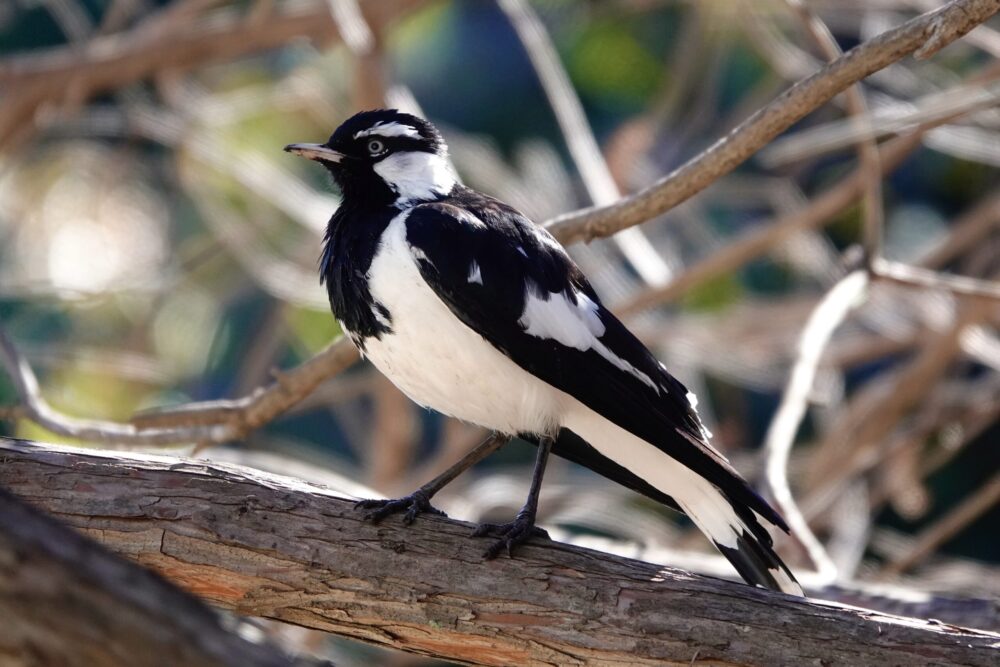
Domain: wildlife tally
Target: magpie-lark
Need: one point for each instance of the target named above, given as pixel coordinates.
(474, 311)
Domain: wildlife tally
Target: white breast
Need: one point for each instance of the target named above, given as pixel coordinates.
(439, 362)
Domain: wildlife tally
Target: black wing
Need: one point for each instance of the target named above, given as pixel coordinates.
(513, 256)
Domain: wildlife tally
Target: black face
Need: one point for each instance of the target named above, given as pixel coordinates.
(363, 141)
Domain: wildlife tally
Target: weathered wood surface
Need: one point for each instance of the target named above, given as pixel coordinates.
(66, 600)
(278, 548)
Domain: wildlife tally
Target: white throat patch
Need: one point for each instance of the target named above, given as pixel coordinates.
(416, 176)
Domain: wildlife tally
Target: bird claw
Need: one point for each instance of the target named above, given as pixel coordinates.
(511, 534)
(411, 505)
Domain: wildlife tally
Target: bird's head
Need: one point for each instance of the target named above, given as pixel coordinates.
(385, 157)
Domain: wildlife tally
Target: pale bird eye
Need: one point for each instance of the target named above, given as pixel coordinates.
(375, 147)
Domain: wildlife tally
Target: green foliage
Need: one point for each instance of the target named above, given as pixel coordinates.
(610, 66)
(714, 294)
(313, 329)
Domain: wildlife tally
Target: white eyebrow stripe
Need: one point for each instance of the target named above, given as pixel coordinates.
(389, 129)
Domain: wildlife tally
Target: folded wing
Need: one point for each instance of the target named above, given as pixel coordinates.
(514, 284)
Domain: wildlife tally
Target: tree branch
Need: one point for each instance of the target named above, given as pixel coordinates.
(939, 28)
(914, 276)
(947, 526)
(282, 549)
(66, 600)
(579, 136)
(867, 148)
(874, 412)
(831, 311)
(755, 243)
(207, 422)
(167, 41)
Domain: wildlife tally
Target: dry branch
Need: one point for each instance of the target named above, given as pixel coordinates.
(163, 43)
(864, 425)
(213, 421)
(831, 311)
(579, 136)
(939, 28)
(278, 548)
(66, 600)
(948, 526)
(754, 244)
(867, 148)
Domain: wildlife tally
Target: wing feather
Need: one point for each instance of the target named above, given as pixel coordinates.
(531, 302)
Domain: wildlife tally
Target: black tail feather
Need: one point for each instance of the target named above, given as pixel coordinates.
(753, 556)
(759, 565)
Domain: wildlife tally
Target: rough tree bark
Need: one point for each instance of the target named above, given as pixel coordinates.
(66, 600)
(282, 549)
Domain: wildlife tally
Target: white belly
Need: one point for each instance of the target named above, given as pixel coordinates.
(441, 363)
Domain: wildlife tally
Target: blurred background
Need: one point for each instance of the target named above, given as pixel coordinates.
(158, 247)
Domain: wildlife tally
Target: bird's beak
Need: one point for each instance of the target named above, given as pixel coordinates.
(317, 152)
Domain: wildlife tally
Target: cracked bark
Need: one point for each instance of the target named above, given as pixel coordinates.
(279, 548)
(66, 600)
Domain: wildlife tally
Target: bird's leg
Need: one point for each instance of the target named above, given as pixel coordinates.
(420, 500)
(523, 526)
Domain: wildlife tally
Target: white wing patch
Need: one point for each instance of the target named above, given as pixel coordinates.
(389, 129)
(377, 312)
(555, 316)
(475, 275)
(416, 176)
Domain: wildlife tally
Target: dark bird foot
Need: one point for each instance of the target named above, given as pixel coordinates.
(411, 505)
(510, 534)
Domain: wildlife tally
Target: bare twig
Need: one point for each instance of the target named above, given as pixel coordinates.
(824, 320)
(38, 410)
(978, 221)
(947, 526)
(212, 421)
(366, 44)
(110, 62)
(943, 25)
(752, 245)
(580, 137)
(914, 276)
(265, 403)
(867, 149)
(974, 421)
(352, 26)
(821, 209)
(874, 413)
(970, 97)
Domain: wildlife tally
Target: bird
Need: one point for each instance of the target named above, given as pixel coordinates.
(473, 310)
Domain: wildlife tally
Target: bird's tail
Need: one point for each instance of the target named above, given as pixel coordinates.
(735, 520)
(749, 549)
